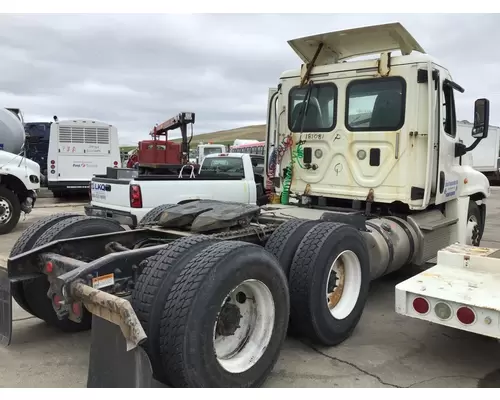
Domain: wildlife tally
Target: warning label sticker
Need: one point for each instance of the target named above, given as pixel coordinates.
(103, 281)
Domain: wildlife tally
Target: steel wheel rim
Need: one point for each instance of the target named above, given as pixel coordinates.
(343, 284)
(241, 336)
(6, 213)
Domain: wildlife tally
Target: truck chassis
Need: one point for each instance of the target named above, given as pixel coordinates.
(106, 276)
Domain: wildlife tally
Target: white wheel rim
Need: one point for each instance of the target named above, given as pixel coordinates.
(343, 284)
(247, 315)
(5, 213)
(472, 231)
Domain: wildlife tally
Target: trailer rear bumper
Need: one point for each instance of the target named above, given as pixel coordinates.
(462, 291)
(5, 308)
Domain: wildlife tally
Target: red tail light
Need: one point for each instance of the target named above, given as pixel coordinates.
(135, 196)
(466, 316)
(421, 305)
(115, 163)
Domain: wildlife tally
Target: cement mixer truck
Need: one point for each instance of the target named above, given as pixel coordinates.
(19, 177)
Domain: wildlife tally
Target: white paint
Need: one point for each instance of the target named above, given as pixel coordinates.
(81, 149)
(158, 192)
(239, 352)
(464, 275)
(351, 286)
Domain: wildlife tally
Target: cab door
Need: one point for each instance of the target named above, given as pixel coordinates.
(447, 178)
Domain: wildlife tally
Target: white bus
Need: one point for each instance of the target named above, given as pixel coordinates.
(78, 150)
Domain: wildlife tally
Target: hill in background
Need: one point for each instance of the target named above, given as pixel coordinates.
(227, 137)
(256, 132)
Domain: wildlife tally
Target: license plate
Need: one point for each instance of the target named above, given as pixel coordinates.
(98, 195)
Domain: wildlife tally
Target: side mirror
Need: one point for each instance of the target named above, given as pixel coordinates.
(481, 119)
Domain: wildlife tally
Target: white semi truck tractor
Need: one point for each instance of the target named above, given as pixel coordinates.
(364, 177)
(19, 176)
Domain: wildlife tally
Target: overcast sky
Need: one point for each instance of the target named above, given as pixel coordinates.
(137, 70)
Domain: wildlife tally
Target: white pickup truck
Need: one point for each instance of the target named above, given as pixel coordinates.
(130, 198)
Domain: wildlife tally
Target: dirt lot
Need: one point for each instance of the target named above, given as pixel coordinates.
(385, 350)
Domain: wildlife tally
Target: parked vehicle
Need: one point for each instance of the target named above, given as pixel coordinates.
(251, 148)
(78, 150)
(37, 145)
(19, 176)
(486, 156)
(363, 178)
(132, 199)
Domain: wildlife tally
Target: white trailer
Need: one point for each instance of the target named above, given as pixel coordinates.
(78, 150)
(485, 157)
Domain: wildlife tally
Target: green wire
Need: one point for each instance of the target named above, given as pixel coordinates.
(298, 154)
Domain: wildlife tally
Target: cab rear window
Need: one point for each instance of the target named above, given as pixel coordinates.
(375, 104)
(224, 166)
(316, 113)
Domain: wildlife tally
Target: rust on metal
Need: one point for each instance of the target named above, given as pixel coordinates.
(384, 64)
(371, 196)
(305, 74)
(335, 296)
(114, 309)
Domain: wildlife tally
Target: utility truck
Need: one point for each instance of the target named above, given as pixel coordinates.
(364, 176)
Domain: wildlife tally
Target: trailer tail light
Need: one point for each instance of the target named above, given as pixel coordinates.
(49, 267)
(115, 164)
(443, 311)
(56, 300)
(466, 315)
(421, 305)
(135, 196)
(77, 309)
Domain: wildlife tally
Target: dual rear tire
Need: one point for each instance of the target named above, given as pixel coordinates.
(31, 294)
(215, 312)
(328, 269)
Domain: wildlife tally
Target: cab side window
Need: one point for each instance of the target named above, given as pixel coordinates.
(450, 119)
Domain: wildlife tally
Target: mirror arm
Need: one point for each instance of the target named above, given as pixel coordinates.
(461, 149)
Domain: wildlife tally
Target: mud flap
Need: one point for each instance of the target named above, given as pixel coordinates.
(5, 309)
(111, 365)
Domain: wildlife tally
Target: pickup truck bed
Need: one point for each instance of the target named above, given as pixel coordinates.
(228, 177)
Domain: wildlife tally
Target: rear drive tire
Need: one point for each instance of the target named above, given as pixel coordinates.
(36, 290)
(26, 242)
(329, 282)
(10, 210)
(225, 319)
(475, 226)
(153, 216)
(284, 240)
(154, 285)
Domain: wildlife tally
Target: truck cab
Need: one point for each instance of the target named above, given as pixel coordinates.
(378, 134)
